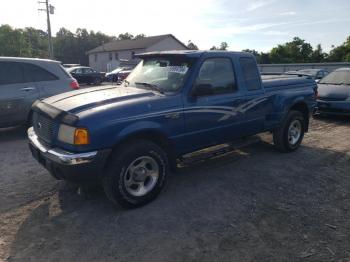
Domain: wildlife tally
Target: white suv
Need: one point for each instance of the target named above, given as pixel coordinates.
(24, 80)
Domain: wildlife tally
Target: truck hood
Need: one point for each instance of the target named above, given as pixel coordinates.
(77, 101)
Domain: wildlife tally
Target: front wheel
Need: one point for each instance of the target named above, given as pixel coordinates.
(136, 174)
(289, 136)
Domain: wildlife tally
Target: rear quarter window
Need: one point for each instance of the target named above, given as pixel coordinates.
(64, 71)
(250, 73)
(34, 73)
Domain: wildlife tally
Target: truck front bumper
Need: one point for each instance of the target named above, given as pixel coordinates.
(76, 167)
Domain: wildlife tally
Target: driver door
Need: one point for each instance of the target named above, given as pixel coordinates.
(210, 118)
(78, 74)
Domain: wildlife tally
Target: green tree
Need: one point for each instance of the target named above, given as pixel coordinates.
(223, 46)
(265, 58)
(69, 47)
(255, 53)
(296, 51)
(125, 36)
(37, 42)
(13, 42)
(318, 55)
(191, 45)
(340, 53)
(139, 36)
(66, 47)
(261, 57)
(72, 48)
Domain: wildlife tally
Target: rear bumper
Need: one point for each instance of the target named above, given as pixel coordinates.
(76, 167)
(333, 107)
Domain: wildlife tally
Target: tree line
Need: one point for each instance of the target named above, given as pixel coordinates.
(71, 47)
(299, 51)
(295, 51)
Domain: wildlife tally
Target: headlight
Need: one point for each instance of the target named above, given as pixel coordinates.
(73, 135)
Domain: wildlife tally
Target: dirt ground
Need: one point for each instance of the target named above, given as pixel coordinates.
(254, 204)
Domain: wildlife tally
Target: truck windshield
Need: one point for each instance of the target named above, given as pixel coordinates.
(163, 74)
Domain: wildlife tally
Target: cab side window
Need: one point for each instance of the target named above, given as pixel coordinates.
(78, 71)
(11, 73)
(34, 73)
(250, 73)
(218, 74)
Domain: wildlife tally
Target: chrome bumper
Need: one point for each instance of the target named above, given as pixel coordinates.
(59, 155)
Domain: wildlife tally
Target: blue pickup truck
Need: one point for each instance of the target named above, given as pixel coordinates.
(128, 137)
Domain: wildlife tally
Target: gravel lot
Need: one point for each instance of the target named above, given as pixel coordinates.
(253, 204)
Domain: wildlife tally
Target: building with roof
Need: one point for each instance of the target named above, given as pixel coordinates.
(111, 55)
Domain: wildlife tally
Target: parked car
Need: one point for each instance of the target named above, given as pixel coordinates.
(70, 65)
(315, 74)
(334, 93)
(122, 75)
(86, 75)
(24, 80)
(128, 137)
(113, 75)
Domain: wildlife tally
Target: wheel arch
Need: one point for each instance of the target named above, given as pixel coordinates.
(302, 108)
(154, 135)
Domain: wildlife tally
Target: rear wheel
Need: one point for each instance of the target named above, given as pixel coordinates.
(97, 81)
(136, 174)
(289, 136)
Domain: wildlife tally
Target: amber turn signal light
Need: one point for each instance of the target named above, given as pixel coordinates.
(81, 136)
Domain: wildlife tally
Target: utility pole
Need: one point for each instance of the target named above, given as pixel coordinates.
(49, 9)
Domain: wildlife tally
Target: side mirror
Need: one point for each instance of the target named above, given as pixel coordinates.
(202, 90)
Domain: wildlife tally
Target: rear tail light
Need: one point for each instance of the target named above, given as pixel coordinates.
(74, 84)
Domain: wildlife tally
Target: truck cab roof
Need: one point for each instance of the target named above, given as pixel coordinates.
(192, 53)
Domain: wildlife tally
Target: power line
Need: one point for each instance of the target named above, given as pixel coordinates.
(49, 9)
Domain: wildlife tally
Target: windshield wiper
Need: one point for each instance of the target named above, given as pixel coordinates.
(150, 86)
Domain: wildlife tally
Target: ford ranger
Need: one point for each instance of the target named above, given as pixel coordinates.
(128, 137)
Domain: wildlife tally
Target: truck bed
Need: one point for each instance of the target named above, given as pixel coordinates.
(282, 81)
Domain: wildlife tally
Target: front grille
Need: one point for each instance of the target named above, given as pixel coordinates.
(43, 127)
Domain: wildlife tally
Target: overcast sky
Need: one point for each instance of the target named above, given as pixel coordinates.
(253, 24)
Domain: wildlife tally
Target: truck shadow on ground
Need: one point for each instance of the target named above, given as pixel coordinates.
(253, 204)
(343, 120)
(13, 133)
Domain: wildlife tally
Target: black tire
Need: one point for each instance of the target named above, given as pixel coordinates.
(122, 158)
(281, 136)
(97, 81)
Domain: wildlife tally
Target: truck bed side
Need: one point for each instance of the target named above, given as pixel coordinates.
(285, 94)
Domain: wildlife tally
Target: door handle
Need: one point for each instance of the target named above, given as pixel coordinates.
(26, 89)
